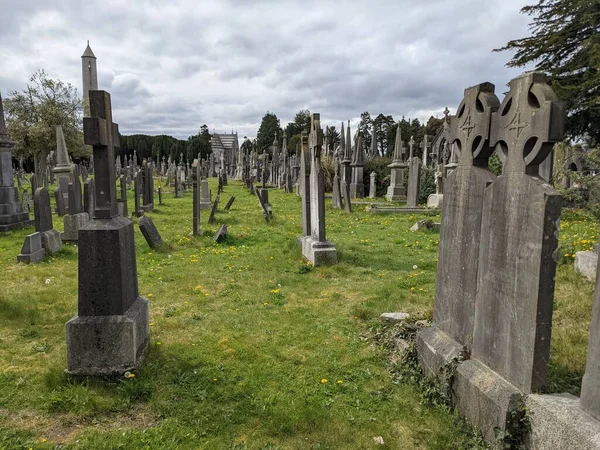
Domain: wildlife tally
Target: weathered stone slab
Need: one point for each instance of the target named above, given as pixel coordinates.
(586, 263)
(42, 210)
(435, 349)
(518, 250)
(52, 242)
(221, 234)
(394, 317)
(213, 211)
(32, 250)
(435, 200)
(414, 182)
(558, 423)
(425, 225)
(150, 232)
(590, 386)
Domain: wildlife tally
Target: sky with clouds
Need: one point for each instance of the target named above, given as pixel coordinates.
(172, 66)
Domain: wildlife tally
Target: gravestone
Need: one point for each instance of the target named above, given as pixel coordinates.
(304, 179)
(61, 209)
(315, 246)
(123, 200)
(12, 216)
(347, 198)
(147, 187)
(89, 196)
(336, 197)
(396, 191)
(62, 170)
(204, 194)
(414, 177)
(51, 239)
(213, 211)
(150, 232)
(195, 200)
(137, 185)
(456, 284)
(357, 186)
(517, 258)
(372, 187)
(32, 250)
(221, 234)
(264, 207)
(229, 203)
(160, 195)
(111, 332)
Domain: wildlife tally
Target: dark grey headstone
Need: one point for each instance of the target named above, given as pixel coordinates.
(32, 250)
(264, 207)
(305, 185)
(42, 210)
(89, 195)
(150, 232)
(215, 207)
(229, 203)
(221, 234)
(60, 202)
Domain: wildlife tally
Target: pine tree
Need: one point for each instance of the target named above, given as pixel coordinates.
(565, 43)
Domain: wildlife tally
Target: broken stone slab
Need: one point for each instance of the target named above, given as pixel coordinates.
(32, 250)
(425, 224)
(150, 232)
(558, 423)
(586, 264)
(221, 233)
(394, 317)
(51, 241)
(435, 200)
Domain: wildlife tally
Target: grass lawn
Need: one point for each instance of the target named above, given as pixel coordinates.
(250, 347)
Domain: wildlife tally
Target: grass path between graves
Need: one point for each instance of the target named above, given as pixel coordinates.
(250, 347)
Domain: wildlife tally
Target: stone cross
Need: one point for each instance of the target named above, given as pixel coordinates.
(102, 135)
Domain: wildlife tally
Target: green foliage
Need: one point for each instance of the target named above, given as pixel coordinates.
(565, 43)
(383, 125)
(427, 183)
(269, 128)
(34, 113)
(301, 123)
(494, 164)
(382, 178)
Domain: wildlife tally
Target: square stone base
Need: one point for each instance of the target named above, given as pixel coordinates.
(481, 396)
(51, 241)
(318, 253)
(396, 194)
(72, 224)
(106, 345)
(15, 221)
(435, 200)
(147, 208)
(558, 423)
(205, 204)
(33, 257)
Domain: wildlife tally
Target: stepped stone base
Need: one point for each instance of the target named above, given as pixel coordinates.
(107, 345)
(318, 253)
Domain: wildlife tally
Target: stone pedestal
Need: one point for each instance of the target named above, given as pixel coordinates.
(318, 253)
(586, 264)
(396, 191)
(72, 224)
(204, 194)
(105, 345)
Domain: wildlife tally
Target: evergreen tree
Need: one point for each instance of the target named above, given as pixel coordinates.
(565, 43)
(269, 127)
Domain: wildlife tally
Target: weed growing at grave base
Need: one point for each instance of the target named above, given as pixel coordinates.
(241, 337)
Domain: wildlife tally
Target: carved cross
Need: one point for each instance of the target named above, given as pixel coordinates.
(103, 135)
(470, 129)
(530, 120)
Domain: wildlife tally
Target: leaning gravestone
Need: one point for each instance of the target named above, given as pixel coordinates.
(32, 250)
(221, 234)
(51, 239)
(229, 203)
(213, 211)
(150, 232)
(111, 332)
(265, 208)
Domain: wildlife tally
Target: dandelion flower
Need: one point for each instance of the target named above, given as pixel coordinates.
(339, 381)
(323, 380)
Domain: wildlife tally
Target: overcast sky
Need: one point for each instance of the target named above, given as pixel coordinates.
(172, 66)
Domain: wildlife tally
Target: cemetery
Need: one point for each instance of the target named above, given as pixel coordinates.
(352, 283)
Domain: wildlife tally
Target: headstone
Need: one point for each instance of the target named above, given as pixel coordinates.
(60, 203)
(357, 186)
(51, 239)
(265, 209)
(32, 250)
(414, 178)
(111, 332)
(590, 386)
(221, 234)
(123, 210)
(586, 263)
(517, 258)
(336, 197)
(396, 191)
(160, 195)
(195, 200)
(76, 219)
(204, 194)
(347, 198)
(62, 170)
(372, 186)
(213, 211)
(315, 246)
(305, 166)
(89, 196)
(12, 216)
(229, 203)
(137, 184)
(148, 187)
(150, 232)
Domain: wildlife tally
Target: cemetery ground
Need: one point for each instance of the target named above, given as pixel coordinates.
(251, 347)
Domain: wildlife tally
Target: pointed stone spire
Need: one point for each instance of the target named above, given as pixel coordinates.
(398, 146)
(88, 53)
(358, 158)
(374, 150)
(342, 141)
(348, 149)
(62, 155)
